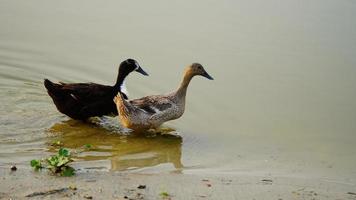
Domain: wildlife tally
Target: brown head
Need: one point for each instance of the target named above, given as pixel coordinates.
(197, 69)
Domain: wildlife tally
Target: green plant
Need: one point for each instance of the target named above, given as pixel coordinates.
(57, 164)
(88, 146)
(164, 195)
(36, 164)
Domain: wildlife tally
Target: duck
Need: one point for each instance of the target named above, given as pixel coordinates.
(80, 101)
(150, 112)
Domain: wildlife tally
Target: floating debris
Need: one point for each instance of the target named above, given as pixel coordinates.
(141, 187)
(72, 187)
(13, 168)
(88, 197)
(207, 182)
(57, 143)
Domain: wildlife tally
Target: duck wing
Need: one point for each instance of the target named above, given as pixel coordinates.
(81, 100)
(87, 91)
(153, 104)
(79, 91)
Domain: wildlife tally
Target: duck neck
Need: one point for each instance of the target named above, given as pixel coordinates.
(119, 81)
(182, 90)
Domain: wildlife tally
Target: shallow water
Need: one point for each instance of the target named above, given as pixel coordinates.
(283, 101)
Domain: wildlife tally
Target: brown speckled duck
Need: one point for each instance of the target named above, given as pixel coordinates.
(152, 111)
(83, 100)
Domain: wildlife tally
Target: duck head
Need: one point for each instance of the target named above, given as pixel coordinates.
(125, 68)
(130, 65)
(197, 69)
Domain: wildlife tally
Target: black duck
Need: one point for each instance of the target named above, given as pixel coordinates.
(83, 100)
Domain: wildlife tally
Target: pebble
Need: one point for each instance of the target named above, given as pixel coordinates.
(141, 187)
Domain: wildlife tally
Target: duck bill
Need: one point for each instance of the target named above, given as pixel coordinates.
(141, 71)
(206, 75)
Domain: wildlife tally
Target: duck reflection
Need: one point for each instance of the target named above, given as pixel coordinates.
(124, 151)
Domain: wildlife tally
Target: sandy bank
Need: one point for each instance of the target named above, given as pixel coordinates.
(117, 185)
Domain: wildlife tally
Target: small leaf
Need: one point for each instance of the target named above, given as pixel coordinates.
(57, 164)
(53, 160)
(164, 194)
(34, 163)
(68, 171)
(62, 161)
(63, 152)
(88, 146)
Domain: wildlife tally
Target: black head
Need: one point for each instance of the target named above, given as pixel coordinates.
(126, 67)
(129, 66)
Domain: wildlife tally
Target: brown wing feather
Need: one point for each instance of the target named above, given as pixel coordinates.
(152, 103)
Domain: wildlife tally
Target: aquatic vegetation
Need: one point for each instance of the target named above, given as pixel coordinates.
(88, 146)
(164, 195)
(36, 164)
(57, 164)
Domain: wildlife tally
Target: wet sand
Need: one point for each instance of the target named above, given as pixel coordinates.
(26, 184)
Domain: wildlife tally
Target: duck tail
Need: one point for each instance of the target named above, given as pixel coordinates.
(119, 98)
(122, 105)
(53, 89)
(50, 86)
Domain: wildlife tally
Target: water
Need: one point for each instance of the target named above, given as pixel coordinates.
(283, 101)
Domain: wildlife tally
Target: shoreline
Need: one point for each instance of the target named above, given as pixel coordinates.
(125, 185)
